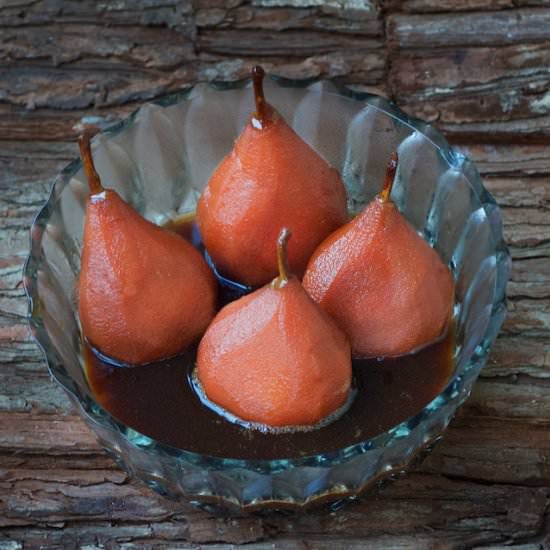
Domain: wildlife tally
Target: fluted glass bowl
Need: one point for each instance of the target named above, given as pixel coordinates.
(160, 159)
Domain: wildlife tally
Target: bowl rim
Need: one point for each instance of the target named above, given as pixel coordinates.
(95, 413)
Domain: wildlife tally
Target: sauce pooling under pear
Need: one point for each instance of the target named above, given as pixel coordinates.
(159, 401)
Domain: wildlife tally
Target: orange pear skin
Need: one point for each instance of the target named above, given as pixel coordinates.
(144, 293)
(383, 284)
(270, 180)
(275, 358)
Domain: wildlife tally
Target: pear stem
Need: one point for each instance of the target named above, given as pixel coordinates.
(390, 178)
(282, 259)
(258, 79)
(84, 142)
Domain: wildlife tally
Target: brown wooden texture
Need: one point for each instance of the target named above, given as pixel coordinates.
(478, 69)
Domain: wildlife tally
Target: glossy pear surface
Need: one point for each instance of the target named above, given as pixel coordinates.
(274, 357)
(384, 285)
(144, 292)
(271, 179)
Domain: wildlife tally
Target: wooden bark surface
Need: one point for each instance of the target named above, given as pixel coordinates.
(478, 69)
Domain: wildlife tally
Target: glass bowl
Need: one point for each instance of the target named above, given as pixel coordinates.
(160, 159)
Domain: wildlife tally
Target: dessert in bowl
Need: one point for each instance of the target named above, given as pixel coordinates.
(151, 420)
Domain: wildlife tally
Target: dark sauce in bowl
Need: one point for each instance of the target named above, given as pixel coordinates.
(158, 400)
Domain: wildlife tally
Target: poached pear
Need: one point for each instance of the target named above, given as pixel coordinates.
(381, 281)
(144, 292)
(274, 357)
(270, 180)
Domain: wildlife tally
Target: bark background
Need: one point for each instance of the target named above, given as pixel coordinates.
(479, 70)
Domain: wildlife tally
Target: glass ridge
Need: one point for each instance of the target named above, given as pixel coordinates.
(160, 158)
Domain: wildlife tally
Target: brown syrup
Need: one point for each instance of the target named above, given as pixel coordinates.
(158, 400)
